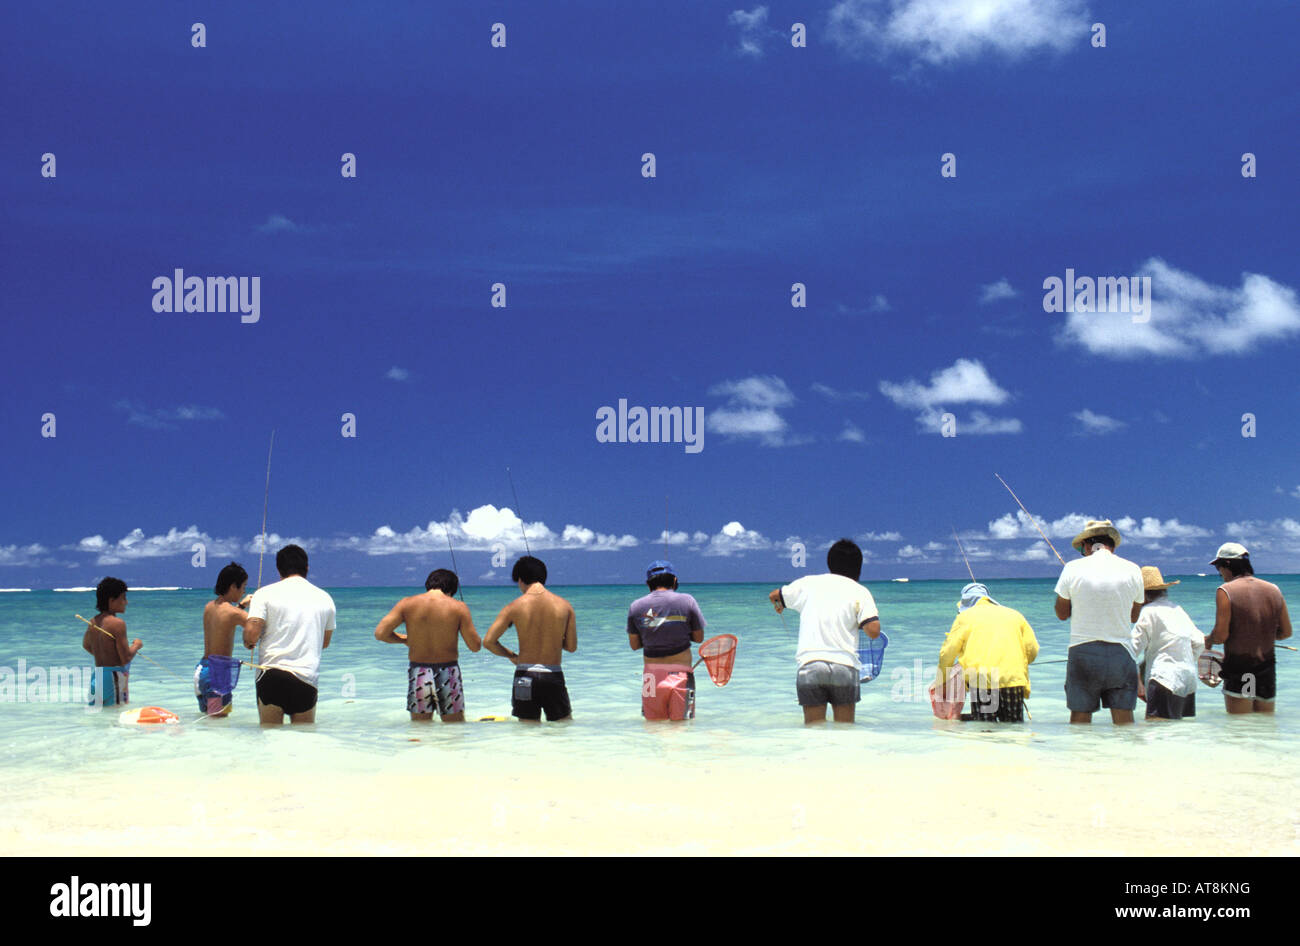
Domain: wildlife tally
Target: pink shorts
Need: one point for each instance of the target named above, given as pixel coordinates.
(668, 691)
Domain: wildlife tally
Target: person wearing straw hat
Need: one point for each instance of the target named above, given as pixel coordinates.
(1250, 617)
(1168, 644)
(1101, 595)
(665, 623)
(995, 646)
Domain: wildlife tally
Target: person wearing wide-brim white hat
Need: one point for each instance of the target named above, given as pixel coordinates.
(1250, 618)
(1101, 595)
(1168, 645)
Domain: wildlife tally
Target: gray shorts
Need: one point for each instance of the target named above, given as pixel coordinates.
(1100, 673)
(820, 683)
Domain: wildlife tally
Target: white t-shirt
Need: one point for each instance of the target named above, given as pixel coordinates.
(831, 609)
(297, 615)
(1102, 589)
(1166, 640)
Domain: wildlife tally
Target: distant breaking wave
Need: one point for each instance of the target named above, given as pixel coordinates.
(129, 590)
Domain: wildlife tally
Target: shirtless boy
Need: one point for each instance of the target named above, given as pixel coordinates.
(220, 618)
(112, 654)
(433, 621)
(545, 624)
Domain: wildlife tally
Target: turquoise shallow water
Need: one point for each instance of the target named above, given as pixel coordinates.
(362, 714)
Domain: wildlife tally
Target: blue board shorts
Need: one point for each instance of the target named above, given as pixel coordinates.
(819, 683)
(1100, 673)
(109, 686)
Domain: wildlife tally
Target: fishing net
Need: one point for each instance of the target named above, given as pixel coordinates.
(872, 657)
(719, 656)
(223, 674)
(948, 703)
(1209, 667)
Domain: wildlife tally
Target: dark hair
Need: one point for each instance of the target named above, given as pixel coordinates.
(443, 579)
(229, 577)
(107, 590)
(662, 581)
(529, 570)
(291, 560)
(1100, 540)
(845, 558)
(1154, 593)
(1238, 566)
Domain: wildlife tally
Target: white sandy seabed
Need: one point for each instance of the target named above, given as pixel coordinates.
(828, 794)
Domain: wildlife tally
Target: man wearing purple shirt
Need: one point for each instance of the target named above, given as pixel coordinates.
(665, 623)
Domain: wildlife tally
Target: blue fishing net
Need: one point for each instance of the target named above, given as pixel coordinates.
(223, 674)
(873, 656)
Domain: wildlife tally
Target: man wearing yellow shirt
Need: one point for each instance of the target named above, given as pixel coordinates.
(995, 646)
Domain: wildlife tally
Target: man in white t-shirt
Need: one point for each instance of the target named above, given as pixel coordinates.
(1101, 595)
(292, 621)
(831, 610)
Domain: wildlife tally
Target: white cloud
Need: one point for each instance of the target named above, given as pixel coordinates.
(136, 545)
(751, 409)
(1190, 317)
(879, 303)
(994, 291)
(397, 374)
(1098, 424)
(22, 554)
(852, 433)
(911, 553)
(942, 31)
(826, 391)
(734, 538)
(755, 391)
(752, 26)
(1149, 529)
(279, 223)
(978, 423)
(964, 381)
(485, 529)
(163, 418)
(880, 537)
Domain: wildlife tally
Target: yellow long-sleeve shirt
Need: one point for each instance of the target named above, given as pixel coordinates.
(993, 644)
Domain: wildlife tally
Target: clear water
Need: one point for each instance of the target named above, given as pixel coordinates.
(362, 714)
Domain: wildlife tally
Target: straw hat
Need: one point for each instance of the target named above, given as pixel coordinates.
(1096, 527)
(1152, 580)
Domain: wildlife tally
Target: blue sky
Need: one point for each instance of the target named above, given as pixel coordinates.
(522, 165)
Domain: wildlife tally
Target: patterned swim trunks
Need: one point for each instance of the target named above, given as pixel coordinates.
(435, 688)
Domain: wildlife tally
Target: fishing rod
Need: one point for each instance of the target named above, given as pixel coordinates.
(266, 496)
(522, 527)
(447, 533)
(969, 570)
(1032, 519)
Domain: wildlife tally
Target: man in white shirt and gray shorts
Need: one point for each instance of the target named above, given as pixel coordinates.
(293, 621)
(831, 609)
(1101, 595)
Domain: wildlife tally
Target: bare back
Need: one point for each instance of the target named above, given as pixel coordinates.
(107, 650)
(434, 622)
(545, 624)
(220, 618)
